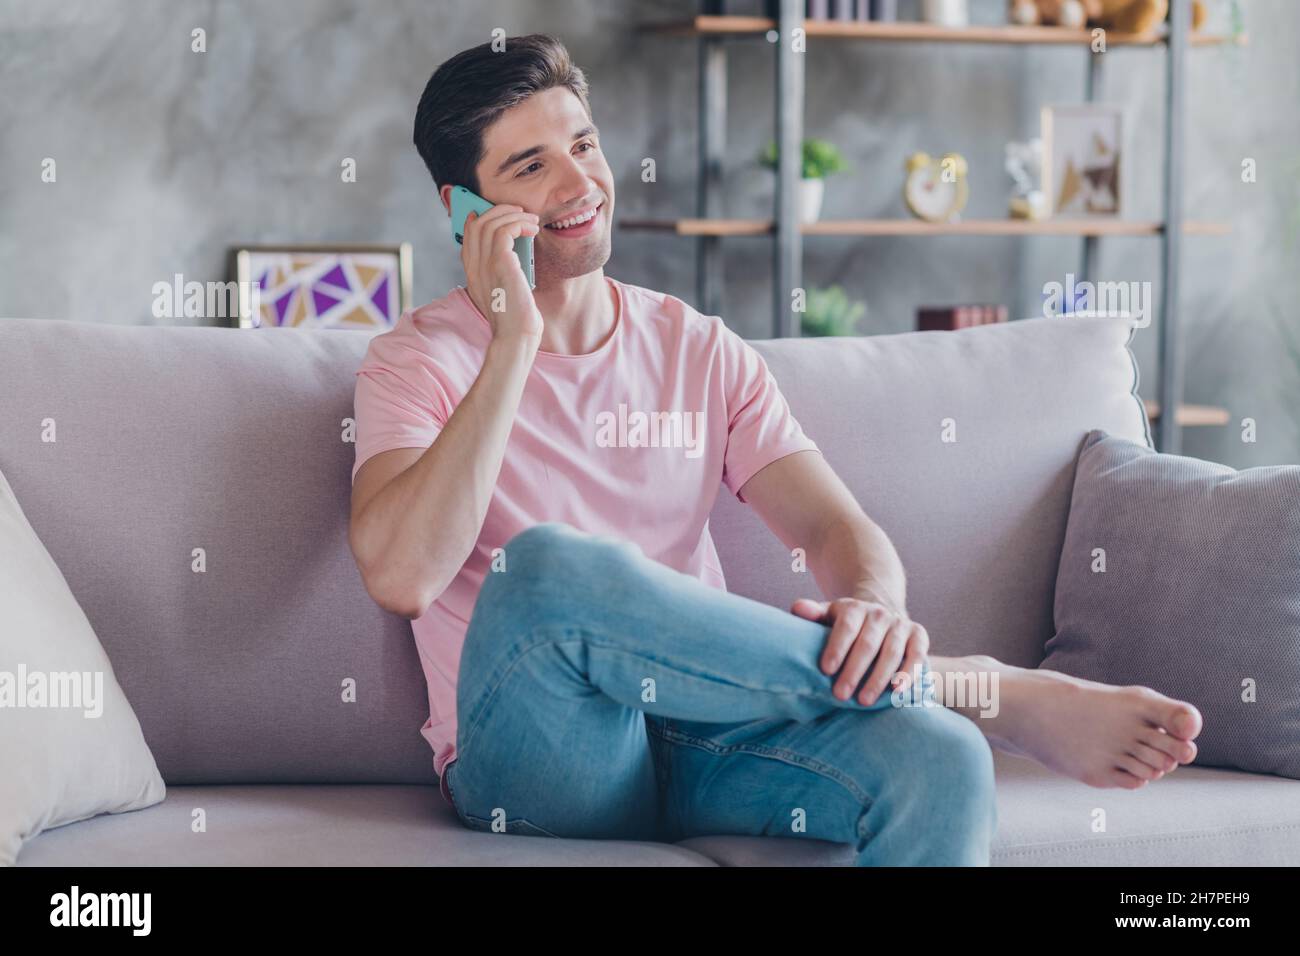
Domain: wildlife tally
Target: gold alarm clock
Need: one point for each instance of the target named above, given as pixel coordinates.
(936, 189)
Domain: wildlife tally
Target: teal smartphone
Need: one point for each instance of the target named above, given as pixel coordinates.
(465, 201)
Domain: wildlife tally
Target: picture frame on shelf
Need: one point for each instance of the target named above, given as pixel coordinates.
(1083, 158)
(323, 285)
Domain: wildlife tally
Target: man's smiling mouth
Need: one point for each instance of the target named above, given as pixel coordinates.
(576, 219)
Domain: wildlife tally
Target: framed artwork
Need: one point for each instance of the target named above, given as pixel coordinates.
(324, 286)
(1082, 156)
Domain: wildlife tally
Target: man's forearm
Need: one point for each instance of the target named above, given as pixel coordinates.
(855, 558)
(425, 522)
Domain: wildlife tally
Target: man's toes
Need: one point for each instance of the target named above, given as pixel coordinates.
(1182, 720)
(1180, 751)
(1152, 757)
(1138, 769)
(1122, 778)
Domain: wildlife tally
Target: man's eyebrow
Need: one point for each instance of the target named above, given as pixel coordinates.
(535, 150)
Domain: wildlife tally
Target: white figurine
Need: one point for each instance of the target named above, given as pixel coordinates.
(1024, 164)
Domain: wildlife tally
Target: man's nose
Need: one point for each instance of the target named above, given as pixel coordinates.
(575, 182)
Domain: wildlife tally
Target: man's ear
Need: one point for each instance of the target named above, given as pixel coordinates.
(444, 194)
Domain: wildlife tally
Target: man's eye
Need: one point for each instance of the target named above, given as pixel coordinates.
(528, 170)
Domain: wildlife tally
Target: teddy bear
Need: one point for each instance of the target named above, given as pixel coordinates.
(1123, 16)
(1140, 16)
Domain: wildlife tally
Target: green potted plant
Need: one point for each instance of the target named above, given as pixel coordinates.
(820, 159)
(1237, 18)
(829, 312)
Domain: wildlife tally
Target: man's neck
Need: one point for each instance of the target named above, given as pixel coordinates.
(578, 313)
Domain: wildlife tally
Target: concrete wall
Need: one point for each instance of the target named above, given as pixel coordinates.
(166, 158)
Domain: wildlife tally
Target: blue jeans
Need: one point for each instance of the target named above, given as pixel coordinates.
(602, 694)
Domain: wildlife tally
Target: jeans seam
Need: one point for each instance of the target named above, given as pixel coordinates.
(524, 820)
(465, 816)
(782, 754)
(482, 707)
(661, 756)
(593, 640)
(549, 632)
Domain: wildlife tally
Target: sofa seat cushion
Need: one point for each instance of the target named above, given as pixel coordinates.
(1196, 816)
(320, 825)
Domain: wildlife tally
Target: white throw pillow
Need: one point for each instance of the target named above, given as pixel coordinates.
(70, 744)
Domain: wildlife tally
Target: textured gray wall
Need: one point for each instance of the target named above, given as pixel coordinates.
(166, 158)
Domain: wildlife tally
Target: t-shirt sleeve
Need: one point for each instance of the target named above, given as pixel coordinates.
(760, 428)
(397, 404)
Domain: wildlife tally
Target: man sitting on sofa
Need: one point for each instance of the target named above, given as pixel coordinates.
(525, 492)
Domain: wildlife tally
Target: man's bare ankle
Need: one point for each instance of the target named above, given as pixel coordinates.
(964, 667)
(970, 662)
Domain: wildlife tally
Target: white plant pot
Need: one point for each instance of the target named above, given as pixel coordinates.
(810, 199)
(945, 13)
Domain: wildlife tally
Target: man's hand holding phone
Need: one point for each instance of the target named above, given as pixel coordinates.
(414, 531)
(493, 274)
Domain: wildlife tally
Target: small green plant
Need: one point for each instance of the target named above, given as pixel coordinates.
(1237, 16)
(829, 312)
(820, 158)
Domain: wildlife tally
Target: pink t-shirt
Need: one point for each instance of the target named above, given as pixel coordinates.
(631, 440)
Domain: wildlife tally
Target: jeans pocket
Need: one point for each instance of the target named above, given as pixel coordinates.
(519, 826)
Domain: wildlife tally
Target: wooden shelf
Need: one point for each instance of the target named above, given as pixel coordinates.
(918, 227)
(924, 32)
(1191, 414)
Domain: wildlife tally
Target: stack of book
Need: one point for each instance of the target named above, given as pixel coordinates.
(846, 9)
(948, 318)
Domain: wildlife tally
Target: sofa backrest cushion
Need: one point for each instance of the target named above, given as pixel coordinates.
(978, 521)
(172, 439)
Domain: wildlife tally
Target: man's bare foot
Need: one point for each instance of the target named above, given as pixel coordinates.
(1104, 735)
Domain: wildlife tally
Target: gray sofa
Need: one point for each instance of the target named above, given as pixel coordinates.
(235, 441)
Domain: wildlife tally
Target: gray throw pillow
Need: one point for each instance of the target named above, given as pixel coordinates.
(1200, 596)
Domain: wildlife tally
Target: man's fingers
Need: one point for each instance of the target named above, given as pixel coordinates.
(913, 661)
(474, 221)
(810, 609)
(503, 237)
(866, 642)
(918, 651)
(887, 660)
(507, 227)
(489, 222)
(847, 624)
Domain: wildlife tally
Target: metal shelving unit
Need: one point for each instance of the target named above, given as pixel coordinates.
(712, 28)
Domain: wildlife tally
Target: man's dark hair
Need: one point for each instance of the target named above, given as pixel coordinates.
(470, 91)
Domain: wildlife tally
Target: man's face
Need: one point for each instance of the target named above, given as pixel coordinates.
(544, 155)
